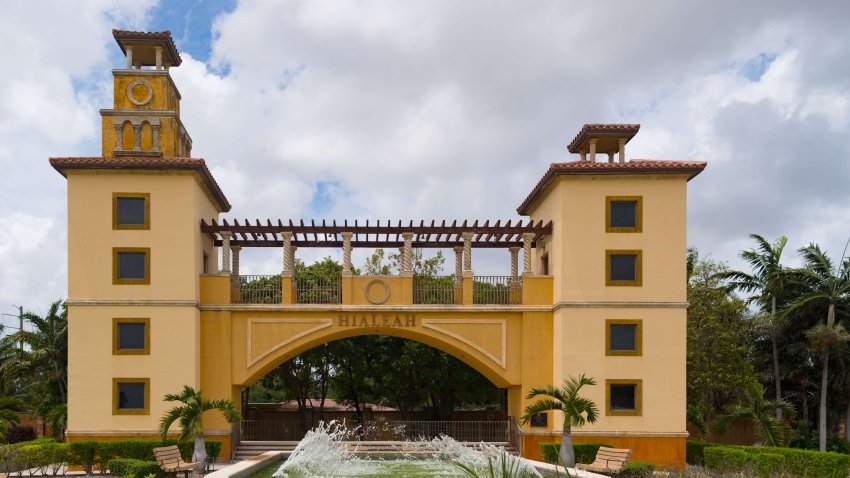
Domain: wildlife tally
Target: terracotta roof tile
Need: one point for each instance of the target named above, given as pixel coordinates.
(155, 164)
(602, 128)
(634, 166)
(163, 35)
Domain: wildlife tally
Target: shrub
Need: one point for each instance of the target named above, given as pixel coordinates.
(721, 458)
(807, 463)
(694, 452)
(585, 452)
(18, 434)
(637, 469)
(137, 468)
(768, 464)
(82, 453)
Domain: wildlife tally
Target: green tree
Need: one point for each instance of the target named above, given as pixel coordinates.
(9, 408)
(718, 368)
(767, 287)
(39, 370)
(824, 284)
(769, 430)
(190, 416)
(577, 410)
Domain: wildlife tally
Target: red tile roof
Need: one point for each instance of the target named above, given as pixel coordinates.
(597, 128)
(151, 164)
(164, 35)
(635, 166)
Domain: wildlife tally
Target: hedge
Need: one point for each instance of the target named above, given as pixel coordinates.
(694, 452)
(637, 469)
(585, 452)
(765, 460)
(46, 455)
(136, 468)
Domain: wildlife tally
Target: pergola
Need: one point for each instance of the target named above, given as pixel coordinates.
(461, 236)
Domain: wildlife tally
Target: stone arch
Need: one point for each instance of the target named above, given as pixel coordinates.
(146, 136)
(128, 136)
(500, 376)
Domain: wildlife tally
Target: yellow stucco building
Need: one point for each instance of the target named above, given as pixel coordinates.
(156, 300)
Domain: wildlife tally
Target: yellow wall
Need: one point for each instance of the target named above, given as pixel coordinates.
(576, 206)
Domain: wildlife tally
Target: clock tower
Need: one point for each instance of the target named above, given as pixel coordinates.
(145, 118)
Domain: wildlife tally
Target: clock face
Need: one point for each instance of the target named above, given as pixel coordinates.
(140, 92)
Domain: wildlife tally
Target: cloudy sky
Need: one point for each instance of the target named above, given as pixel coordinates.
(440, 109)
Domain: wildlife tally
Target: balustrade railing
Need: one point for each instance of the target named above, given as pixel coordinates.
(257, 289)
(496, 290)
(384, 430)
(318, 289)
(434, 290)
(515, 435)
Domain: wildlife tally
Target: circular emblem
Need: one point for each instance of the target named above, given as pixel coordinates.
(140, 92)
(377, 291)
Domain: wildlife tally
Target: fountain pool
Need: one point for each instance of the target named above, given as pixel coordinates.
(324, 454)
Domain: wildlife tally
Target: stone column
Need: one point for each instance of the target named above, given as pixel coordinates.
(288, 265)
(527, 237)
(346, 253)
(225, 251)
(514, 263)
(467, 253)
(583, 154)
(137, 137)
(158, 51)
(119, 136)
(235, 260)
(129, 50)
(593, 150)
(622, 150)
(155, 130)
(458, 264)
(407, 254)
(611, 157)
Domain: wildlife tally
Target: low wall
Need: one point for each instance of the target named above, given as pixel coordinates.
(665, 452)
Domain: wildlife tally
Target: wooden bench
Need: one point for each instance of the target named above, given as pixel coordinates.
(169, 459)
(610, 460)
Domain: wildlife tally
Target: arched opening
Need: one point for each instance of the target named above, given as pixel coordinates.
(394, 388)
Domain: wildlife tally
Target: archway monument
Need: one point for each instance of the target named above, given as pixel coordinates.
(157, 301)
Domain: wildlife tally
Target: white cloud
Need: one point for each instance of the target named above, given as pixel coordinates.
(454, 110)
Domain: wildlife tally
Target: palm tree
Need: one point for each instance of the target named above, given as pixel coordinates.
(9, 406)
(826, 286)
(35, 362)
(769, 430)
(190, 415)
(767, 285)
(577, 410)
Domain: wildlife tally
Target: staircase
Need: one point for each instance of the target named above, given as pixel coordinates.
(247, 449)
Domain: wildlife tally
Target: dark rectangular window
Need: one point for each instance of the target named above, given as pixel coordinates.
(623, 267)
(623, 213)
(623, 396)
(131, 211)
(131, 396)
(131, 336)
(624, 337)
(131, 265)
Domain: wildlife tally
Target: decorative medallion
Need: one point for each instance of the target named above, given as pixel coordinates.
(377, 291)
(140, 92)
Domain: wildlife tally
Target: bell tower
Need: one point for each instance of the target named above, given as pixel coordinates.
(145, 118)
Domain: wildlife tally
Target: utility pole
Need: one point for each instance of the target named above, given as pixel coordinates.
(21, 321)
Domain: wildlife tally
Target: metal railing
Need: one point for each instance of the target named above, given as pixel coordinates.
(318, 289)
(255, 289)
(496, 290)
(385, 430)
(434, 290)
(515, 435)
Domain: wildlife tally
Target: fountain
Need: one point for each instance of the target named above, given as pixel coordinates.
(325, 452)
